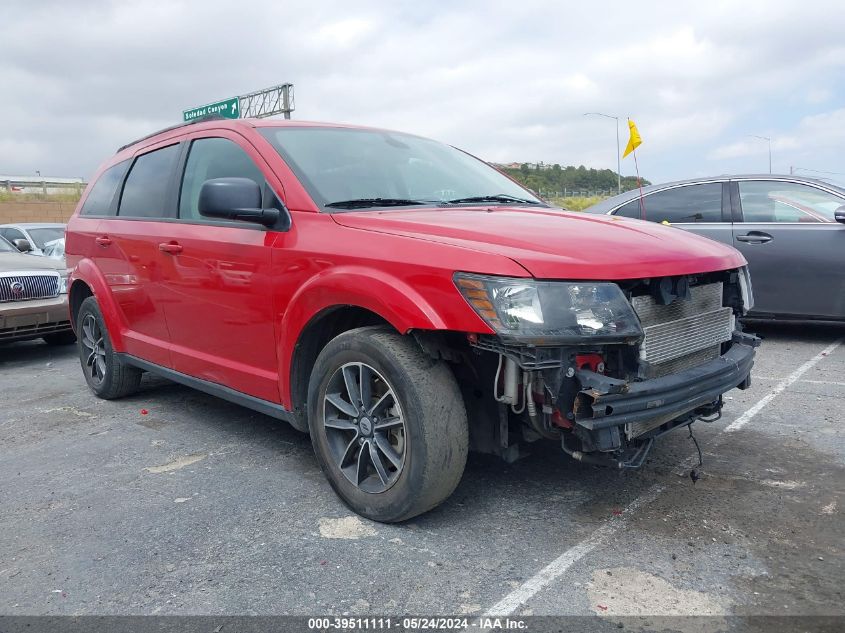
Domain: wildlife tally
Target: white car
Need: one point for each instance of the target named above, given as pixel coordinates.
(55, 249)
(35, 234)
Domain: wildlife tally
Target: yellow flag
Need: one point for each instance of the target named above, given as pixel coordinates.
(634, 141)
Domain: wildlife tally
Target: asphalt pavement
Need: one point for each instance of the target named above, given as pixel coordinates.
(174, 502)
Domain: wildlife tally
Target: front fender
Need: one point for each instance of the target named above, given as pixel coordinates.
(86, 272)
(398, 302)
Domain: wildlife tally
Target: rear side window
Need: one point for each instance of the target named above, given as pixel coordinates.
(145, 191)
(99, 201)
(213, 158)
(775, 201)
(689, 204)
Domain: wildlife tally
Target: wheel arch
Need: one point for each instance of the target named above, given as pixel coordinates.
(363, 295)
(320, 329)
(79, 291)
(87, 281)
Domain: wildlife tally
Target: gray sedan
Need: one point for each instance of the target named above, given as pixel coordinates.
(790, 229)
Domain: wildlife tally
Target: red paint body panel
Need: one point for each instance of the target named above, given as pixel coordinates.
(228, 304)
(557, 244)
(321, 264)
(217, 300)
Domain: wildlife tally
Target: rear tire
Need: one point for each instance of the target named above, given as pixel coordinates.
(106, 374)
(60, 338)
(413, 422)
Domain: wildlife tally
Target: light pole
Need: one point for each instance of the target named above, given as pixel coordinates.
(769, 141)
(618, 151)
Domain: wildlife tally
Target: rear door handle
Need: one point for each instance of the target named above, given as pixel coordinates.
(103, 240)
(754, 237)
(174, 248)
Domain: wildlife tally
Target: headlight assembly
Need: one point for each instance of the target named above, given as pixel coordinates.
(63, 284)
(551, 312)
(745, 290)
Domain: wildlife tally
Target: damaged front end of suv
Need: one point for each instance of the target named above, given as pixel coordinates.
(603, 368)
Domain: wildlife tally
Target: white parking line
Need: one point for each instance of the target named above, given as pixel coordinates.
(835, 383)
(823, 382)
(520, 596)
(746, 417)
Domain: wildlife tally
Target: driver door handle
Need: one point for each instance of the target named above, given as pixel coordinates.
(174, 248)
(754, 237)
(103, 240)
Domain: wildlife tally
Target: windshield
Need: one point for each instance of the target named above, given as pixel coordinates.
(6, 247)
(46, 234)
(353, 169)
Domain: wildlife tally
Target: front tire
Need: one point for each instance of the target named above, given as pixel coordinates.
(106, 374)
(388, 424)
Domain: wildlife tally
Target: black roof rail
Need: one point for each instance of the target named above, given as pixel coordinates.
(201, 119)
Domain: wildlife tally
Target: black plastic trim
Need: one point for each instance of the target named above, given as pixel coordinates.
(675, 394)
(266, 407)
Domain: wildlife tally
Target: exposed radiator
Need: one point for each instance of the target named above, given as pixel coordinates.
(685, 333)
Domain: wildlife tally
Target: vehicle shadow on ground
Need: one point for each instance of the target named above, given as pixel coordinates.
(797, 332)
(214, 413)
(26, 352)
(488, 484)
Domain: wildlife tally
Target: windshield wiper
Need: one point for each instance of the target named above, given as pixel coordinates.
(362, 203)
(499, 197)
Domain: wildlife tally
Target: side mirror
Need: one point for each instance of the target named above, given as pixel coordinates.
(235, 199)
(22, 245)
(839, 214)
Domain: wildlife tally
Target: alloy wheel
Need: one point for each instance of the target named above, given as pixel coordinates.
(94, 349)
(365, 427)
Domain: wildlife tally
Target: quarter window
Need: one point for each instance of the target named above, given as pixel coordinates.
(213, 158)
(687, 204)
(99, 200)
(145, 191)
(774, 201)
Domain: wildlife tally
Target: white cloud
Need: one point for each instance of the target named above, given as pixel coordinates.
(507, 81)
(343, 33)
(817, 133)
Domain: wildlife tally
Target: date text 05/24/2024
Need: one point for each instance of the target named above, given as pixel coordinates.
(415, 623)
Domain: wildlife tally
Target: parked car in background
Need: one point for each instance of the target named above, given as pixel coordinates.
(33, 298)
(400, 300)
(55, 249)
(790, 229)
(36, 235)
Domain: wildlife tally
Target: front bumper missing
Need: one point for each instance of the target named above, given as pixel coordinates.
(604, 402)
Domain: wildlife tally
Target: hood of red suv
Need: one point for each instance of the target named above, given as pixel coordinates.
(553, 244)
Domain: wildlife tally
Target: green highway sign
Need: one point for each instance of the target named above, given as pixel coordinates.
(228, 108)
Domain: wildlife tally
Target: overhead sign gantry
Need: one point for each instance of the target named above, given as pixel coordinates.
(258, 104)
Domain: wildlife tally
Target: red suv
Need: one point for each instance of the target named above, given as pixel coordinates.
(398, 299)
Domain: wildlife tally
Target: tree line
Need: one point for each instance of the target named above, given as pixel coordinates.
(559, 180)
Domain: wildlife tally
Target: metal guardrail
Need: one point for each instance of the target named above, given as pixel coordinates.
(577, 193)
(43, 186)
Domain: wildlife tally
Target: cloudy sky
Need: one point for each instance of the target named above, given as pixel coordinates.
(508, 81)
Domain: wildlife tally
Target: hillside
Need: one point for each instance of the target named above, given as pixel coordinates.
(554, 181)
